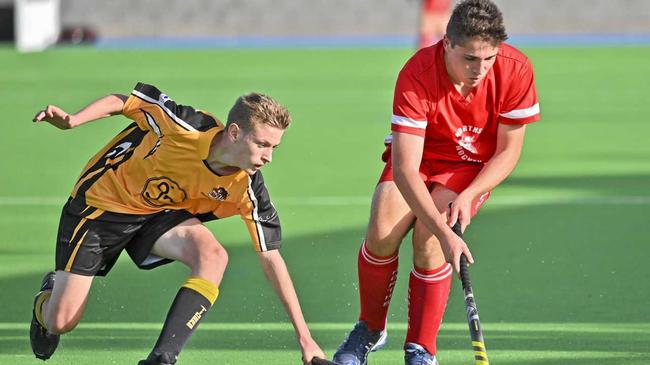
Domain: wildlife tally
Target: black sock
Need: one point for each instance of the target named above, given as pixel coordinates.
(192, 302)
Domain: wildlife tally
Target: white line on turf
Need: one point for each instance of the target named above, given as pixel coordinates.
(506, 200)
(492, 327)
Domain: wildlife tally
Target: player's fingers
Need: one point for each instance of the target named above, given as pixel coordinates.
(464, 221)
(453, 215)
(468, 254)
(456, 262)
(49, 111)
(39, 116)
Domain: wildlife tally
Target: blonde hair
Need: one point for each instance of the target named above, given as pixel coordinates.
(258, 108)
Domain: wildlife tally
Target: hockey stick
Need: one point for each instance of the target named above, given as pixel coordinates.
(476, 334)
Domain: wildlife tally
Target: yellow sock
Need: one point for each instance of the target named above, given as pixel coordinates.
(38, 306)
(203, 287)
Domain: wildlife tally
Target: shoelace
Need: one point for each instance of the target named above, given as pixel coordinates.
(360, 348)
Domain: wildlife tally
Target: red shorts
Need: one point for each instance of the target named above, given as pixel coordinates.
(436, 6)
(455, 176)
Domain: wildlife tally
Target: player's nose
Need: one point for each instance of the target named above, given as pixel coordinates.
(267, 157)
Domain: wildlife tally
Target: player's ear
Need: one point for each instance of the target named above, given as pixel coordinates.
(446, 43)
(234, 132)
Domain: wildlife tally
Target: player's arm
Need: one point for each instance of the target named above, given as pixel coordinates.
(276, 272)
(406, 157)
(100, 108)
(510, 139)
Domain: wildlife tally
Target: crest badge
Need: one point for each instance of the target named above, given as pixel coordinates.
(219, 194)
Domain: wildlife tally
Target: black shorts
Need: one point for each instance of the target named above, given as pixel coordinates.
(90, 240)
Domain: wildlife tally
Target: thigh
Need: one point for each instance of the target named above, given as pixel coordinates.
(178, 243)
(190, 242)
(142, 247)
(390, 219)
(427, 252)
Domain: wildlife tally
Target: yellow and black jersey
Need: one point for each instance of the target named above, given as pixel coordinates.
(158, 163)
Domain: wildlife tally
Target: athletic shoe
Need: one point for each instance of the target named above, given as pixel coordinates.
(359, 343)
(43, 343)
(415, 354)
(166, 358)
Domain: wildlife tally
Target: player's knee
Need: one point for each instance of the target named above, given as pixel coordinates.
(427, 255)
(204, 249)
(382, 243)
(214, 254)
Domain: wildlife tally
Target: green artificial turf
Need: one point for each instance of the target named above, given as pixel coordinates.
(561, 247)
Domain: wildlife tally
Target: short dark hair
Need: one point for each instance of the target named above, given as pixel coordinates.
(258, 108)
(476, 18)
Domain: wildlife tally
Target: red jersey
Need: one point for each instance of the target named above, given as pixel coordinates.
(454, 128)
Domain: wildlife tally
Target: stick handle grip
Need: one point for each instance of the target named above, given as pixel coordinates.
(464, 267)
(464, 273)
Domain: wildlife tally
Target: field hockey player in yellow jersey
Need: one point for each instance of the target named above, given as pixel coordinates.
(148, 191)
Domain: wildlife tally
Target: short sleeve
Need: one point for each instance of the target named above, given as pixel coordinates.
(260, 216)
(410, 105)
(155, 111)
(521, 105)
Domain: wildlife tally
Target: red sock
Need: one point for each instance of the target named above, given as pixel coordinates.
(428, 294)
(377, 277)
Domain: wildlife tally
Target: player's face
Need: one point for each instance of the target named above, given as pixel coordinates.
(468, 63)
(255, 148)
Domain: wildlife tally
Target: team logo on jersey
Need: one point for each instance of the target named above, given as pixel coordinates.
(161, 191)
(466, 137)
(467, 142)
(219, 194)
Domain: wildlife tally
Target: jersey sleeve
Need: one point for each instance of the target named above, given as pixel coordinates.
(409, 105)
(521, 105)
(260, 216)
(154, 111)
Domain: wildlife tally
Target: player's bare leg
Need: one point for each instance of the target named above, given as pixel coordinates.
(193, 244)
(58, 308)
(429, 285)
(390, 220)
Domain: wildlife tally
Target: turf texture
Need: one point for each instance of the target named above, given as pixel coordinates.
(561, 247)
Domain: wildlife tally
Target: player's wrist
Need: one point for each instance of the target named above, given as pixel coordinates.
(73, 120)
(472, 192)
(305, 339)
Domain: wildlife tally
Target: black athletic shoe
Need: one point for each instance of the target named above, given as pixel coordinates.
(166, 358)
(360, 342)
(43, 343)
